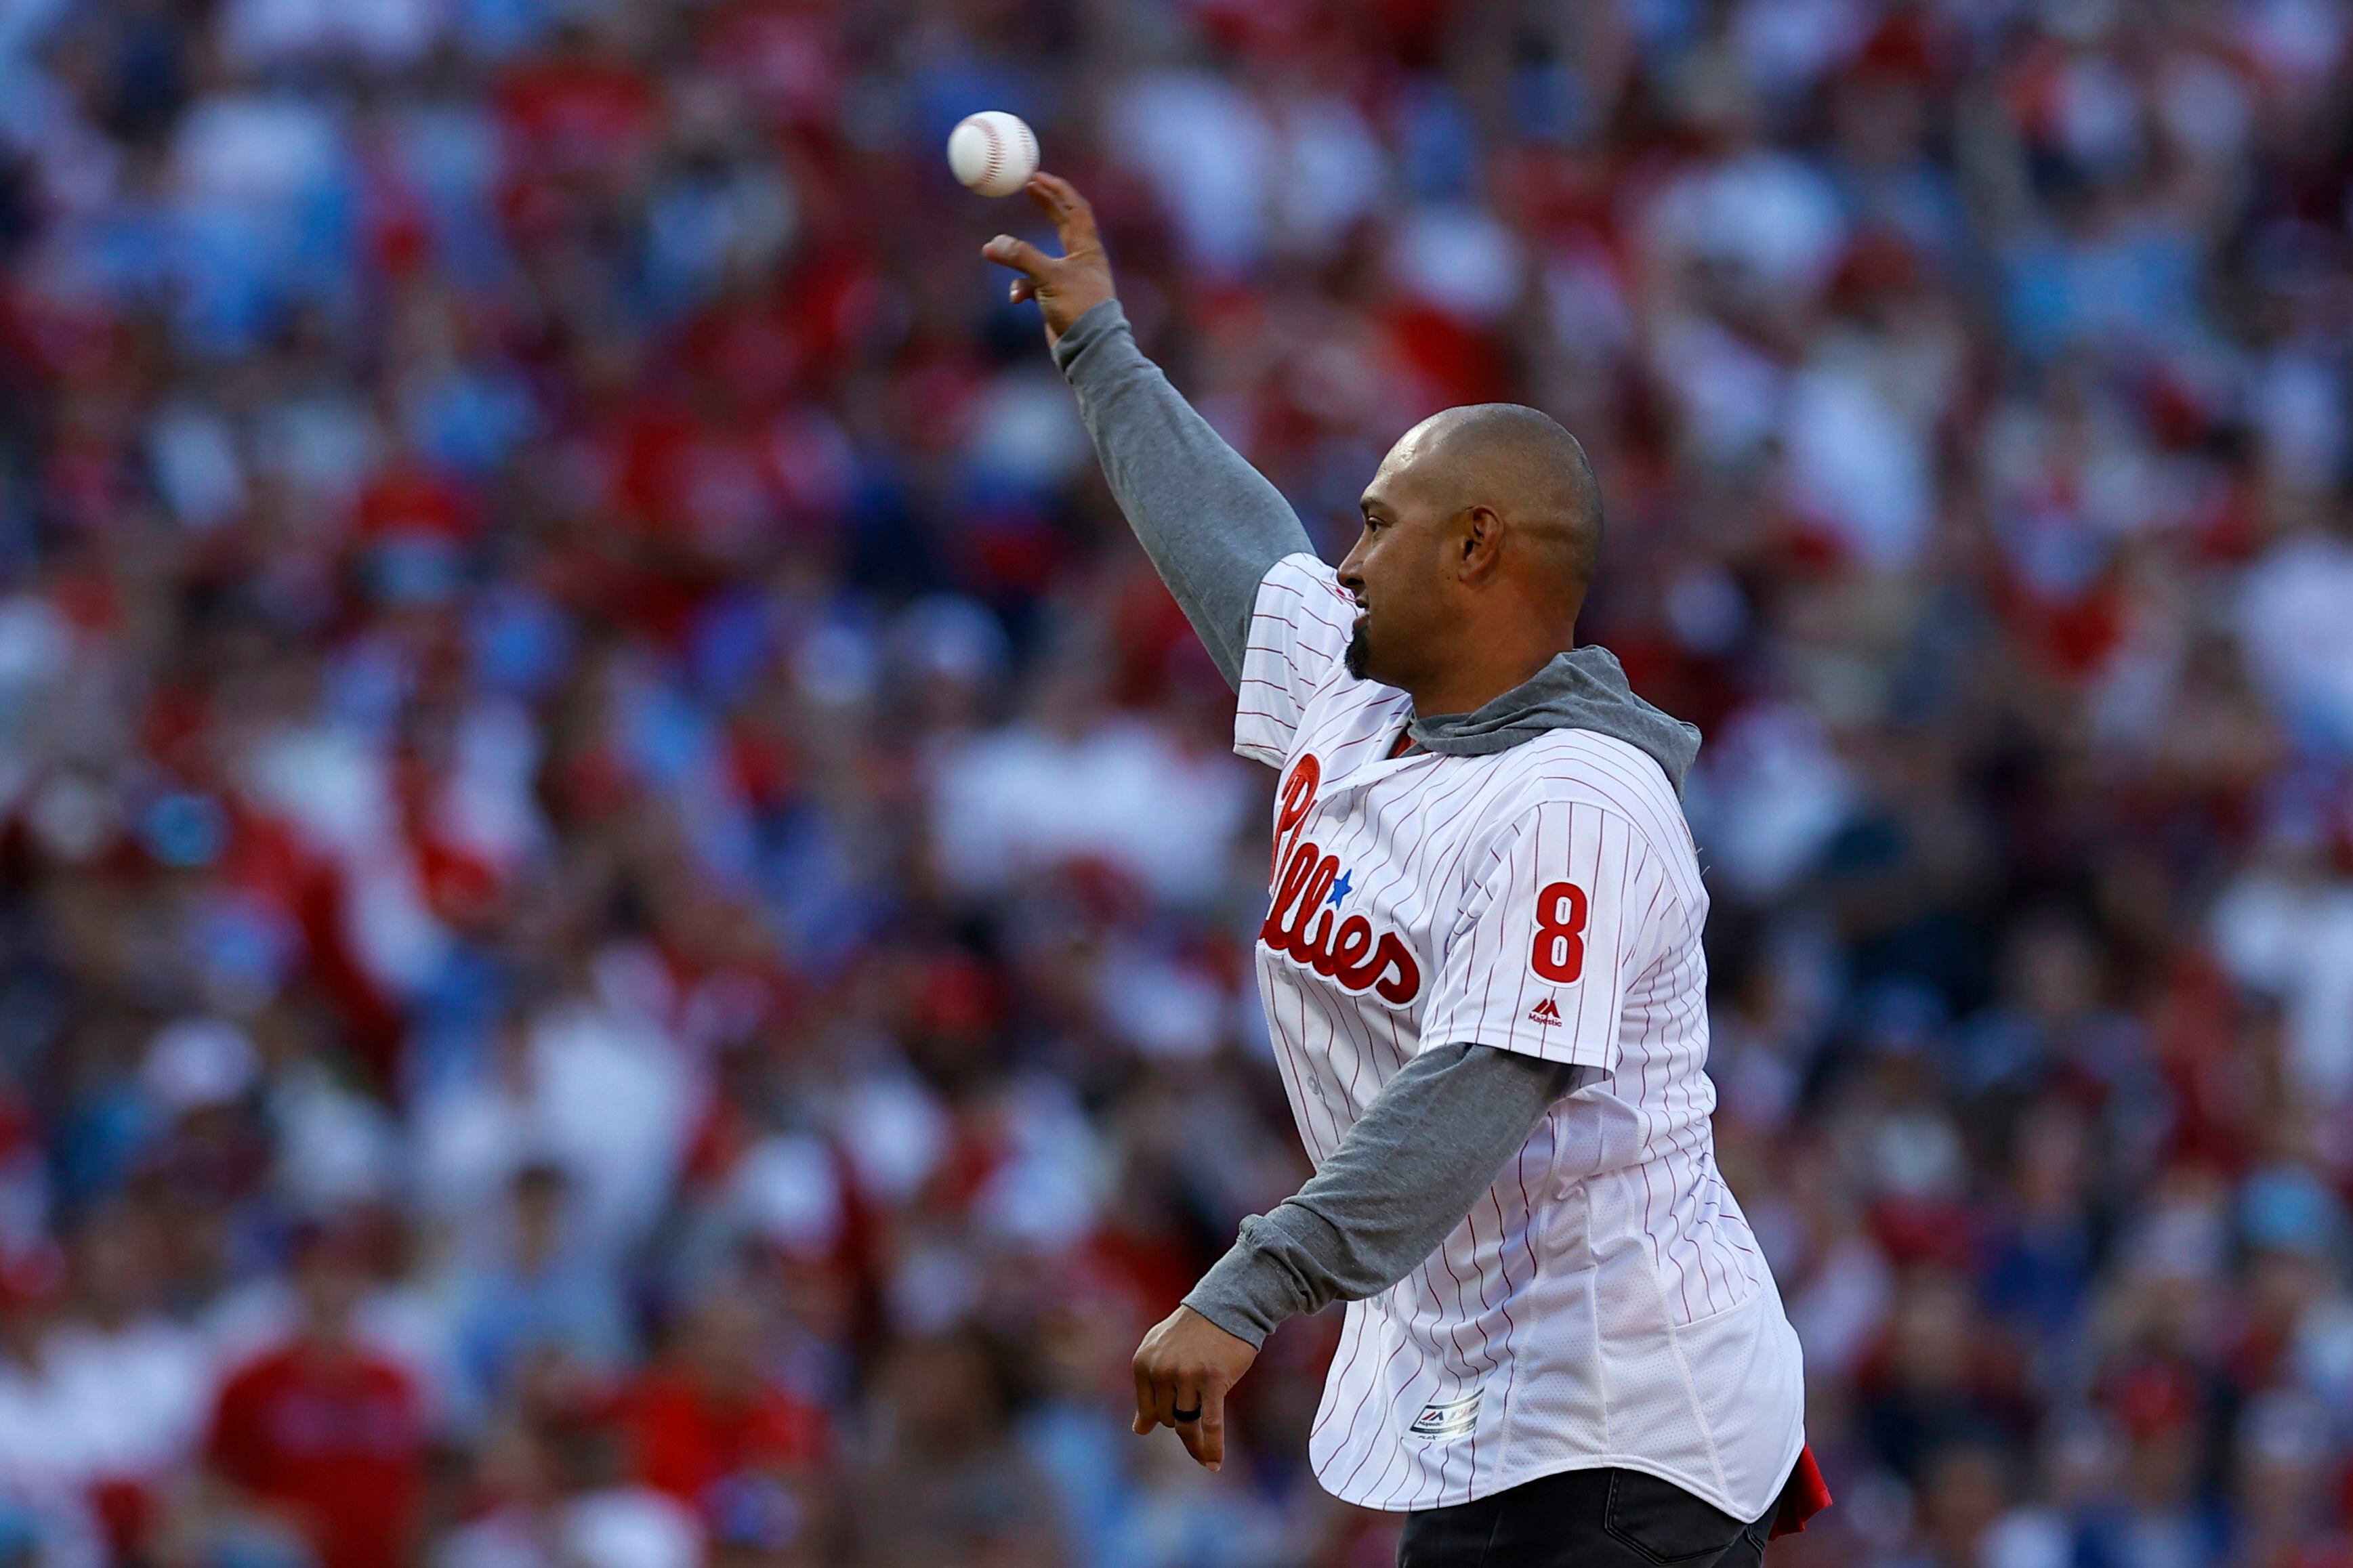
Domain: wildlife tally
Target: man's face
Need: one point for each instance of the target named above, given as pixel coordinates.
(1397, 572)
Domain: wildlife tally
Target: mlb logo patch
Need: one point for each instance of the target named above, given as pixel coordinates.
(1446, 1418)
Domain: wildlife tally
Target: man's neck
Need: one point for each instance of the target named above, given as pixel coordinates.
(1467, 686)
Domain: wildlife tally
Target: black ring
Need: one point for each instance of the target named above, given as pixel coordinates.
(1192, 1414)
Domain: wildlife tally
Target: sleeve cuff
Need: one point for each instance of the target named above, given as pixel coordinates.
(1248, 1292)
(1101, 322)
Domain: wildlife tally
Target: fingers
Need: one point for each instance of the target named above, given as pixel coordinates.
(1205, 1439)
(1019, 255)
(1147, 1399)
(1049, 191)
(1022, 289)
(1192, 1405)
(1158, 1396)
(1074, 217)
(1182, 1371)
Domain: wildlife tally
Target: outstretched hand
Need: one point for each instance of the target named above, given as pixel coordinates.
(1068, 285)
(1186, 1364)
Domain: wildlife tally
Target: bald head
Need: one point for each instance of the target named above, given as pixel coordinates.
(1482, 528)
(1520, 462)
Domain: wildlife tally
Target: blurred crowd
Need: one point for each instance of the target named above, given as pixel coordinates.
(624, 908)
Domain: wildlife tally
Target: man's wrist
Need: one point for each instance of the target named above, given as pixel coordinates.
(1250, 1291)
(1093, 324)
(1227, 1312)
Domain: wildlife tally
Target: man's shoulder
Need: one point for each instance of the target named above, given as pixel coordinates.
(1597, 773)
(1585, 767)
(1306, 572)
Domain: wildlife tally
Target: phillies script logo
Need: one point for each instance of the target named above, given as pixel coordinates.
(1304, 920)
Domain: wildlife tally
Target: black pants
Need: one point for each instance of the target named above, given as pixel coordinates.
(1592, 1519)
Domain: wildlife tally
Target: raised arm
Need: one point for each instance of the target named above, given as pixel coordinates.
(1212, 523)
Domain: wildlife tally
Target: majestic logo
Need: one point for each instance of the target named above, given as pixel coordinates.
(1447, 1418)
(1544, 1012)
(1304, 918)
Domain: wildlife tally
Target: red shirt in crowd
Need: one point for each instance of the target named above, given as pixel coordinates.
(336, 1441)
(686, 1439)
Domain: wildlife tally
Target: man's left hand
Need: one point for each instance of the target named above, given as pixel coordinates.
(1186, 1364)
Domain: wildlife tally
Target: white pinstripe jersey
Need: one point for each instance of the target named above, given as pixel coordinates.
(1604, 1304)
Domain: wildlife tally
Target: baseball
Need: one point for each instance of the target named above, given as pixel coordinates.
(993, 153)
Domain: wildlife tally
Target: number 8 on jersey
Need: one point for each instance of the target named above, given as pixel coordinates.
(1558, 954)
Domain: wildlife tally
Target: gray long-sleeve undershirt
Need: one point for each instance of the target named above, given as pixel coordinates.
(1212, 523)
(1429, 1145)
(1214, 527)
(1439, 1132)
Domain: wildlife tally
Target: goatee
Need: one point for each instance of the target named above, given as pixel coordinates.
(1358, 653)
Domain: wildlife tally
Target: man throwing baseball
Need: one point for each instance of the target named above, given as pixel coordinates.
(1482, 972)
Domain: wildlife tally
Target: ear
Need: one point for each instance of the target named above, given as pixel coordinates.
(1480, 542)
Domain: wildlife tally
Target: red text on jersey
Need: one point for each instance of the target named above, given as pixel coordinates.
(1298, 799)
(1558, 953)
(1346, 951)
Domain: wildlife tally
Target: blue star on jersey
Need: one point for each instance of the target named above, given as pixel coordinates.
(1340, 890)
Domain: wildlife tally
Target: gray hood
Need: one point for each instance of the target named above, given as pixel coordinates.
(1583, 689)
